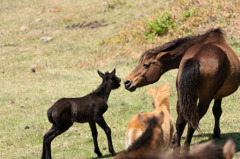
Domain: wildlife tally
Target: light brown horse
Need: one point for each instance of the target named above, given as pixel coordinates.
(208, 69)
(161, 104)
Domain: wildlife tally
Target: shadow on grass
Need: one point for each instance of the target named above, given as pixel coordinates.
(106, 156)
(224, 137)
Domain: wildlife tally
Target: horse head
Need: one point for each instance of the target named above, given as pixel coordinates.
(150, 68)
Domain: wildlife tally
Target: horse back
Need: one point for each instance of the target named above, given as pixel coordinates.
(89, 108)
(83, 109)
(218, 69)
(134, 130)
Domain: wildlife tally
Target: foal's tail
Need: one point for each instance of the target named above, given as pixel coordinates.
(188, 92)
(49, 114)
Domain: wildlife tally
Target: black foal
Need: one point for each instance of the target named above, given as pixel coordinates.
(89, 108)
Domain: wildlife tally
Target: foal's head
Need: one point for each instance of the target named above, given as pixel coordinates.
(110, 79)
(160, 96)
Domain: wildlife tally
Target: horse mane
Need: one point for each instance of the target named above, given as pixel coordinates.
(163, 98)
(145, 138)
(169, 46)
(103, 85)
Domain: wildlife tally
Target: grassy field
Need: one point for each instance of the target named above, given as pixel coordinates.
(88, 35)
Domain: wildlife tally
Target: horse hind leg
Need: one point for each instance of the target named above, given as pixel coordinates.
(203, 106)
(180, 126)
(217, 112)
(63, 124)
(94, 135)
(49, 133)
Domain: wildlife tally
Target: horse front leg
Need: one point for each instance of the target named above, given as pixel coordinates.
(94, 135)
(180, 126)
(217, 112)
(102, 123)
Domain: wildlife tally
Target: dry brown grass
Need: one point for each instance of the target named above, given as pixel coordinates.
(191, 18)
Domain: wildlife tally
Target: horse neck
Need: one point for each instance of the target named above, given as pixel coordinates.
(103, 91)
(162, 107)
(178, 52)
(162, 104)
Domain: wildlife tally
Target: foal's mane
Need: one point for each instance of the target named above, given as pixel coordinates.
(169, 46)
(145, 139)
(103, 85)
(163, 95)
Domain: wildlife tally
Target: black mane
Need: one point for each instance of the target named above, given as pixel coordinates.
(103, 85)
(174, 44)
(146, 136)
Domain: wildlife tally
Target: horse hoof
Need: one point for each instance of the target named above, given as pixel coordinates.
(186, 148)
(216, 136)
(99, 154)
(113, 153)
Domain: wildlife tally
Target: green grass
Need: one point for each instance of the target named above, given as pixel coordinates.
(67, 67)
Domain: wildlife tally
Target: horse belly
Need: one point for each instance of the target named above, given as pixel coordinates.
(81, 115)
(225, 91)
(81, 118)
(228, 88)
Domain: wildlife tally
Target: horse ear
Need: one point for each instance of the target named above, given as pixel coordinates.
(151, 91)
(164, 56)
(100, 73)
(229, 149)
(113, 72)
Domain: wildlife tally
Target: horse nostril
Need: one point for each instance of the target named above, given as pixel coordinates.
(127, 82)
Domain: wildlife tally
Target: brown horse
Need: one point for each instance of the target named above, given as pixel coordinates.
(208, 69)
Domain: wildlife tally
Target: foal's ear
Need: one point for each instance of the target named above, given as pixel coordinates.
(229, 149)
(164, 56)
(113, 72)
(151, 91)
(100, 73)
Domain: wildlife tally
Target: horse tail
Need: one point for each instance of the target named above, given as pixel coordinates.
(49, 115)
(188, 92)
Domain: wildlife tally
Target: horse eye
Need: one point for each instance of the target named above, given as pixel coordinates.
(146, 66)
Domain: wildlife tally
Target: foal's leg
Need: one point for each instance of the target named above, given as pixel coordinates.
(48, 137)
(202, 109)
(94, 135)
(50, 132)
(217, 112)
(180, 126)
(101, 122)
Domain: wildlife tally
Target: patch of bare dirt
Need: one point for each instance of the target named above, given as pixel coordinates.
(92, 25)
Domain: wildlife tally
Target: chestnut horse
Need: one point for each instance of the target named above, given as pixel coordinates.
(208, 69)
(161, 104)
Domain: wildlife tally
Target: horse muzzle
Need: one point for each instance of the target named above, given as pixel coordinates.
(128, 85)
